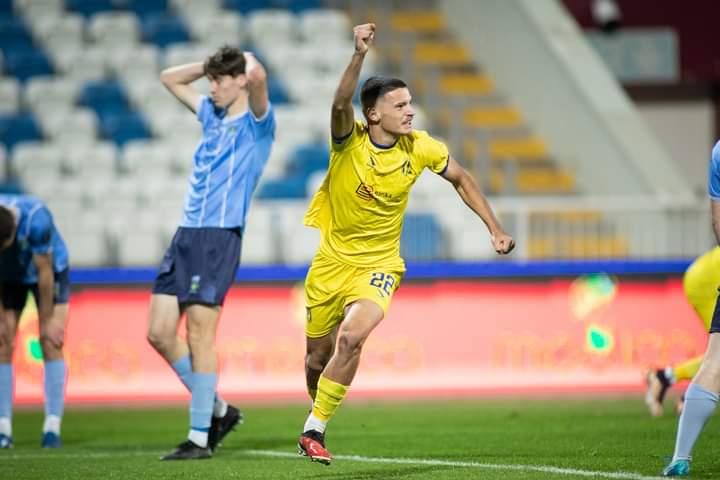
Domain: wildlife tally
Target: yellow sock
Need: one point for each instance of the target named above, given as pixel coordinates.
(329, 396)
(688, 369)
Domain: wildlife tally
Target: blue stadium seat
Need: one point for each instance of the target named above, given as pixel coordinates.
(276, 91)
(298, 6)
(25, 64)
(421, 238)
(124, 127)
(18, 128)
(145, 8)
(164, 30)
(6, 6)
(289, 187)
(89, 7)
(14, 35)
(308, 159)
(106, 98)
(246, 6)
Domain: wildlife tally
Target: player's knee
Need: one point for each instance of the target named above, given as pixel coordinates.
(48, 344)
(7, 344)
(317, 359)
(159, 340)
(350, 343)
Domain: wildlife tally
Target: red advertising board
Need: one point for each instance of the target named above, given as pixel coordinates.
(588, 334)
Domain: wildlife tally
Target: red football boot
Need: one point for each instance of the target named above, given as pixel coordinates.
(312, 444)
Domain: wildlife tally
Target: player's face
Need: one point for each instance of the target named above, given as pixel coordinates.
(225, 89)
(395, 111)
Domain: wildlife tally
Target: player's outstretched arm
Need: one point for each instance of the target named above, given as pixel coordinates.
(178, 80)
(257, 85)
(343, 118)
(469, 191)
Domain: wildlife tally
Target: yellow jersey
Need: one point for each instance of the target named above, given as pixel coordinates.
(360, 205)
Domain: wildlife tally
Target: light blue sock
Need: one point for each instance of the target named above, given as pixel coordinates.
(699, 405)
(183, 369)
(55, 387)
(201, 404)
(6, 389)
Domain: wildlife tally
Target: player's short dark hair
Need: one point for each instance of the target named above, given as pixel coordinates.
(7, 224)
(376, 87)
(226, 61)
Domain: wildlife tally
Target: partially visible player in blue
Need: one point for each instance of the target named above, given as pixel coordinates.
(33, 258)
(238, 127)
(701, 397)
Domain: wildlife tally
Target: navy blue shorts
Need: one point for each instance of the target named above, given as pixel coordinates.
(14, 295)
(715, 325)
(200, 265)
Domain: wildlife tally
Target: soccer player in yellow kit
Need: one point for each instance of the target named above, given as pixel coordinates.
(700, 282)
(359, 211)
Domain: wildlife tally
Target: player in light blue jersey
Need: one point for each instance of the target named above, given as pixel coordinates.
(33, 258)
(238, 127)
(701, 397)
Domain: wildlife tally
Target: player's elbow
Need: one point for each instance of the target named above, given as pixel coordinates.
(256, 76)
(166, 77)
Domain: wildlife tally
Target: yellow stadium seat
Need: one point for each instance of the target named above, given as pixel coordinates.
(466, 84)
(577, 246)
(493, 117)
(520, 148)
(418, 22)
(544, 181)
(441, 54)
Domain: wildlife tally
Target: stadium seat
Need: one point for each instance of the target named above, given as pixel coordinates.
(14, 35)
(9, 95)
(181, 53)
(24, 64)
(297, 6)
(61, 34)
(5, 162)
(31, 9)
(421, 238)
(144, 8)
(35, 159)
(83, 65)
(307, 160)
(325, 27)
(91, 161)
(70, 121)
(50, 93)
(105, 97)
(188, 8)
(15, 129)
(282, 188)
(163, 30)
(114, 29)
(88, 8)
(260, 243)
(145, 159)
(87, 244)
(6, 6)
(276, 91)
(272, 27)
(217, 28)
(129, 62)
(299, 243)
(123, 127)
(247, 6)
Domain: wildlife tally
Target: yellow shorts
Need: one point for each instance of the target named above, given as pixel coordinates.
(331, 285)
(701, 282)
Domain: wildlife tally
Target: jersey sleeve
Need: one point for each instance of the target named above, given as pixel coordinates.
(351, 140)
(265, 125)
(714, 173)
(435, 154)
(205, 110)
(40, 232)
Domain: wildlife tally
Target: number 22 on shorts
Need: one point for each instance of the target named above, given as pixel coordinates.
(384, 282)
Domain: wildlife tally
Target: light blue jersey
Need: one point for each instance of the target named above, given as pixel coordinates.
(36, 235)
(714, 173)
(227, 165)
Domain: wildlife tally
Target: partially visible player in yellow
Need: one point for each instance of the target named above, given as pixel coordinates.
(700, 282)
(359, 210)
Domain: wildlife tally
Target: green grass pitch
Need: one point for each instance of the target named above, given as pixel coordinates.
(507, 438)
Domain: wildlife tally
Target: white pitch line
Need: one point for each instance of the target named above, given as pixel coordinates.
(352, 458)
(452, 463)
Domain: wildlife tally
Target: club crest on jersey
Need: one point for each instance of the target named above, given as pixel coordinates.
(407, 169)
(366, 192)
(195, 284)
